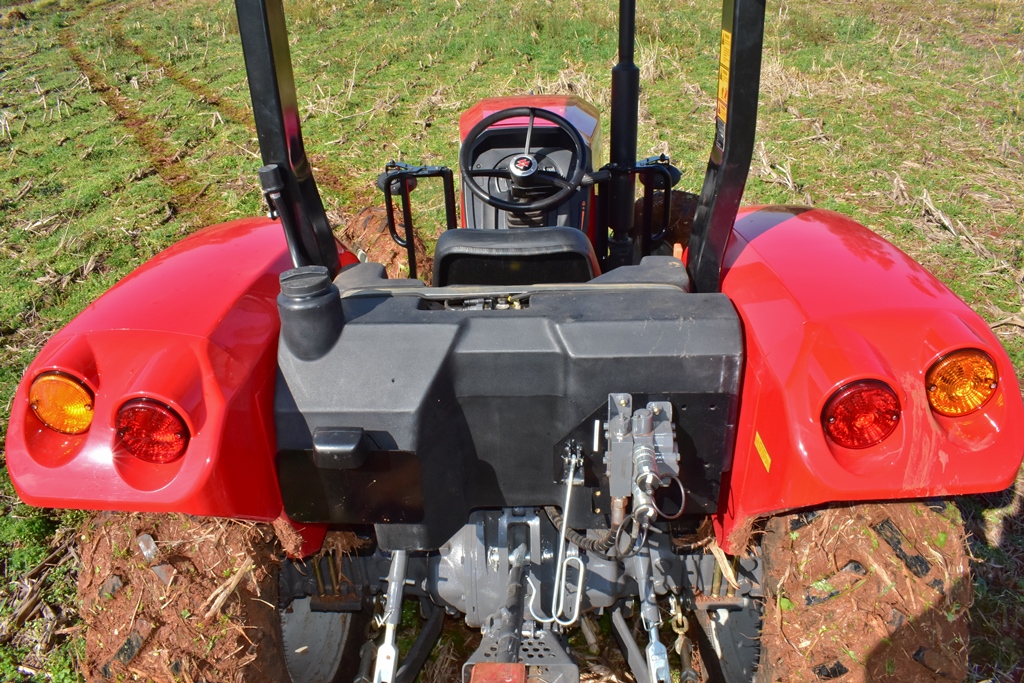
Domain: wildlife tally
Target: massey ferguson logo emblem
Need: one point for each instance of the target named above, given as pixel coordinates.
(524, 163)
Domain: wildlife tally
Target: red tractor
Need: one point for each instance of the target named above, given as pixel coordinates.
(567, 421)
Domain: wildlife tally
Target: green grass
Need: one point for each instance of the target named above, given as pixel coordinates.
(905, 116)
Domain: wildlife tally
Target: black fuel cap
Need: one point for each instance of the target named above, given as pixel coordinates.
(305, 281)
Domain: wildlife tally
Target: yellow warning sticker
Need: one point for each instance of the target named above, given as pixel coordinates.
(766, 459)
(723, 75)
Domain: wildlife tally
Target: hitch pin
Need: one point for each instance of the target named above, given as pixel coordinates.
(558, 613)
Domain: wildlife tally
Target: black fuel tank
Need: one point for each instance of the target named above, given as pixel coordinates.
(466, 398)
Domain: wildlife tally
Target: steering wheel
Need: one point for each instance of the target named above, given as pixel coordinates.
(523, 169)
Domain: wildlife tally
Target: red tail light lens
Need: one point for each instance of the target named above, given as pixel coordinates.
(861, 414)
(151, 431)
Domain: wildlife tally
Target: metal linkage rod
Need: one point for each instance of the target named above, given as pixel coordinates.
(510, 635)
(387, 652)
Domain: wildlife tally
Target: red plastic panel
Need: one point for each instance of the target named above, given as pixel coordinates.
(195, 328)
(824, 301)
(497, 672)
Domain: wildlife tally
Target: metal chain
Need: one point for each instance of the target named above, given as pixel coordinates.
(377, 620)
(680, 624)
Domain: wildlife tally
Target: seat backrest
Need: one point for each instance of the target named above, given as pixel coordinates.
(522, 256)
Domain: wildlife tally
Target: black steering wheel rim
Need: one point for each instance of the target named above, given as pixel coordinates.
(569, 185)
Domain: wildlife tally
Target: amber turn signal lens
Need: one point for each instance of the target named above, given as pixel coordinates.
(61, 402)
(151, 431)
(861, 414)
(961, 382)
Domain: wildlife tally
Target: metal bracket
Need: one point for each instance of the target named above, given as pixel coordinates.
(387, 652)
(402, 176)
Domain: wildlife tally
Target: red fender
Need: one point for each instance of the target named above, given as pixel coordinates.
(196, 327)
(824, 301)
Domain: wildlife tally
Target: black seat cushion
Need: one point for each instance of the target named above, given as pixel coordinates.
(521, 256)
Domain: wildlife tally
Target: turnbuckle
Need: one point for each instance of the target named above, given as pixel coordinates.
(657, 654)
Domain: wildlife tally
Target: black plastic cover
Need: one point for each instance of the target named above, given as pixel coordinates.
(473, 408)
(340, 449)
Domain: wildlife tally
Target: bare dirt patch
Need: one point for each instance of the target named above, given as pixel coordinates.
(866, 593)
(197, 603)
(368, 231)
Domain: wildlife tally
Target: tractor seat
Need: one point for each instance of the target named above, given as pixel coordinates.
(518, 256)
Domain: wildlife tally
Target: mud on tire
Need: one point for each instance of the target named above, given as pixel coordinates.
(870, 592)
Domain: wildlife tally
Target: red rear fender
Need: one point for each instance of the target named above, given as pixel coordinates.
(825, 302)
(196, 329)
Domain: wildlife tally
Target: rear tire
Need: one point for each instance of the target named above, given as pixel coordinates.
(320, 647)
(870, 592)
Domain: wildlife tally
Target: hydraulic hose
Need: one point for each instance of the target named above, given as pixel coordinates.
(597, 545)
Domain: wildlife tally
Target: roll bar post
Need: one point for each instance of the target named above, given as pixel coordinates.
(287, 176)
(739, 81)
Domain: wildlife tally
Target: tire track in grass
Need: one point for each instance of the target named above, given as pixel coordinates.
(228, 109)
(361, 230)
(188, 197)
(237, 114)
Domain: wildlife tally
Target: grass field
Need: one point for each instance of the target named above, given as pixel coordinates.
(125, 125)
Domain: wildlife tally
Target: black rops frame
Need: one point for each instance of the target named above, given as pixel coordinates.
(291, 191)
(733, 147)
(625, 100)
(286, 176)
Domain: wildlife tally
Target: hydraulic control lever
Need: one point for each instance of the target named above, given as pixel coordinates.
(656, 173)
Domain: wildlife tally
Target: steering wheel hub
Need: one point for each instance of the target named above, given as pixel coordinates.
(523, 165)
